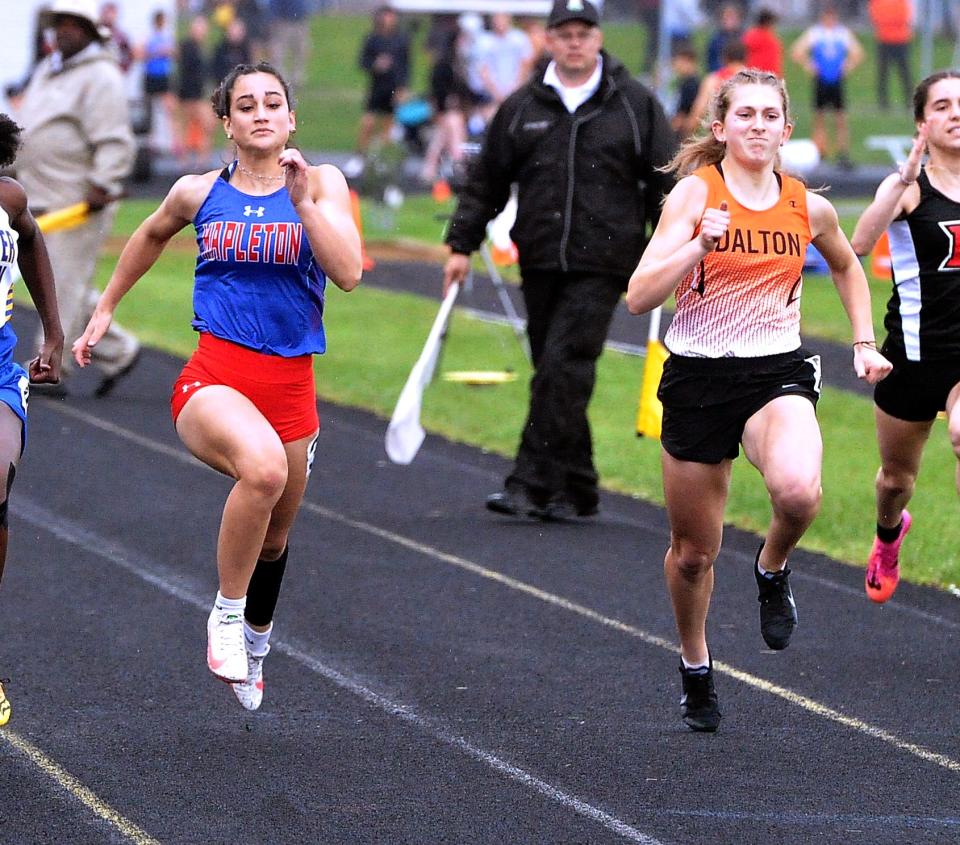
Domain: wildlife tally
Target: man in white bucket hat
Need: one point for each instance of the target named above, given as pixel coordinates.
(78, 146)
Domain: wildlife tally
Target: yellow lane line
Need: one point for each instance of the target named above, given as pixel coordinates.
(76, 789)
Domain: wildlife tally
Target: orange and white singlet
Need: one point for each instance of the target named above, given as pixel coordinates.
(743, 299)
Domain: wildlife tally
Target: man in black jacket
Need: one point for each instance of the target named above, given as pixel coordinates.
(582, 141)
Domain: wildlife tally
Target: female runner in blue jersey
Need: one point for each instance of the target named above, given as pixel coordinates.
(21, 246)
(920, 207)
(270, 231)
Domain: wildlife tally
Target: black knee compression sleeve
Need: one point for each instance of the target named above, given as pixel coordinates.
(4, 508)
(264, 589)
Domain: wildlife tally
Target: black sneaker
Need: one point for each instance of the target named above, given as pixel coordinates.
(109, 382)
(513, 500)
(778, 610)
(698, 704)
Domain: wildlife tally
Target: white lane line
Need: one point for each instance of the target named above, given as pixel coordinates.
(437, 457)
(802, 701)
(75, 789)
(809, 704)
(160, 577)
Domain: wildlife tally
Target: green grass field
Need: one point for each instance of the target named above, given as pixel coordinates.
(159, 310)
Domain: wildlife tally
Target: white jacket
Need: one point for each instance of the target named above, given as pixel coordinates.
(76, 129)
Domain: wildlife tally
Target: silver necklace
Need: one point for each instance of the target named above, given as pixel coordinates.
(257, 176)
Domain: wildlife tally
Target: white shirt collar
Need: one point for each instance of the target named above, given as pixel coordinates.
(57, 61)
(576, 96)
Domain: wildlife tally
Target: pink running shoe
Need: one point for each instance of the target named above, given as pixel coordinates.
(883, 567)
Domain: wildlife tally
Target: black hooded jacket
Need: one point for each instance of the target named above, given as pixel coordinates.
(588, 187)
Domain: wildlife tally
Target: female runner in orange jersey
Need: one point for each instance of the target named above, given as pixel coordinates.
(730, 244)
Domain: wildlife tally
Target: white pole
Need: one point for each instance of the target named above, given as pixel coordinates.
(653, 333)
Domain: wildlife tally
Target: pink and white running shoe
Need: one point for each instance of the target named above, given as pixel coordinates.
(883, 567)
(250, 692)
(226, 653)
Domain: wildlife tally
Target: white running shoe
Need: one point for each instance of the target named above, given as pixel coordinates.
(226, 654)
(250, 692)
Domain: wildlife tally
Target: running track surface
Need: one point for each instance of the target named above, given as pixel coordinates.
(438, 674)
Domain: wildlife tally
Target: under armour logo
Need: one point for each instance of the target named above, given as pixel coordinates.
(249, 209)
(575, 6)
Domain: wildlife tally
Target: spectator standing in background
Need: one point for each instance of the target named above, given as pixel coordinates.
(507, 59)
(829, 51)
(119, 41)
(254, 17)
(450, 95)
(233, 49)
(158, 54)
(687, 80)
(193, 84)
(290, 40)
(78, 147)
(385, 56)
(474, 47)
(730, 30)
(764, 47)
(534, 29)
(648, 12)
(893, 28)
(681, 20)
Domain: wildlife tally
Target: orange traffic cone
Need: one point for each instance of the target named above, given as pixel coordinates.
(368, 262)
(441, 190)
(880, 263)
(504, 256)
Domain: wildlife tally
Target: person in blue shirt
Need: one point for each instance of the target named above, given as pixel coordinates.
(828, 51)
(21, 248)
(159, 51)
(270, 231)
(729, 29)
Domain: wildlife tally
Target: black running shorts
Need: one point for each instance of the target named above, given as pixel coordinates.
(707, 401)
(828, 95)
(916, 391)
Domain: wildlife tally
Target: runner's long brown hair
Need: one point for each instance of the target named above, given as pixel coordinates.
(704, 149)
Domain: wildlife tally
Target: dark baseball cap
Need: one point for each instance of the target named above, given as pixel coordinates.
(573, 10)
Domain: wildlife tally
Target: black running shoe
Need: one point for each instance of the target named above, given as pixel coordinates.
(698, 704)
(778, 610)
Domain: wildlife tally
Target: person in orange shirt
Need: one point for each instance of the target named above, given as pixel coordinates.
(893, 27)
(734, 58)
(730, 244)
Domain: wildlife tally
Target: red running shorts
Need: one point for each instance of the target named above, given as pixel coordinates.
(282, 389)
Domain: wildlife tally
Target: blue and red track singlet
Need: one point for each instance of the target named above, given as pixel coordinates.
(257, 283)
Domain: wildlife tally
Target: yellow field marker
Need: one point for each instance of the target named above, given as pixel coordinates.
(76, 789)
